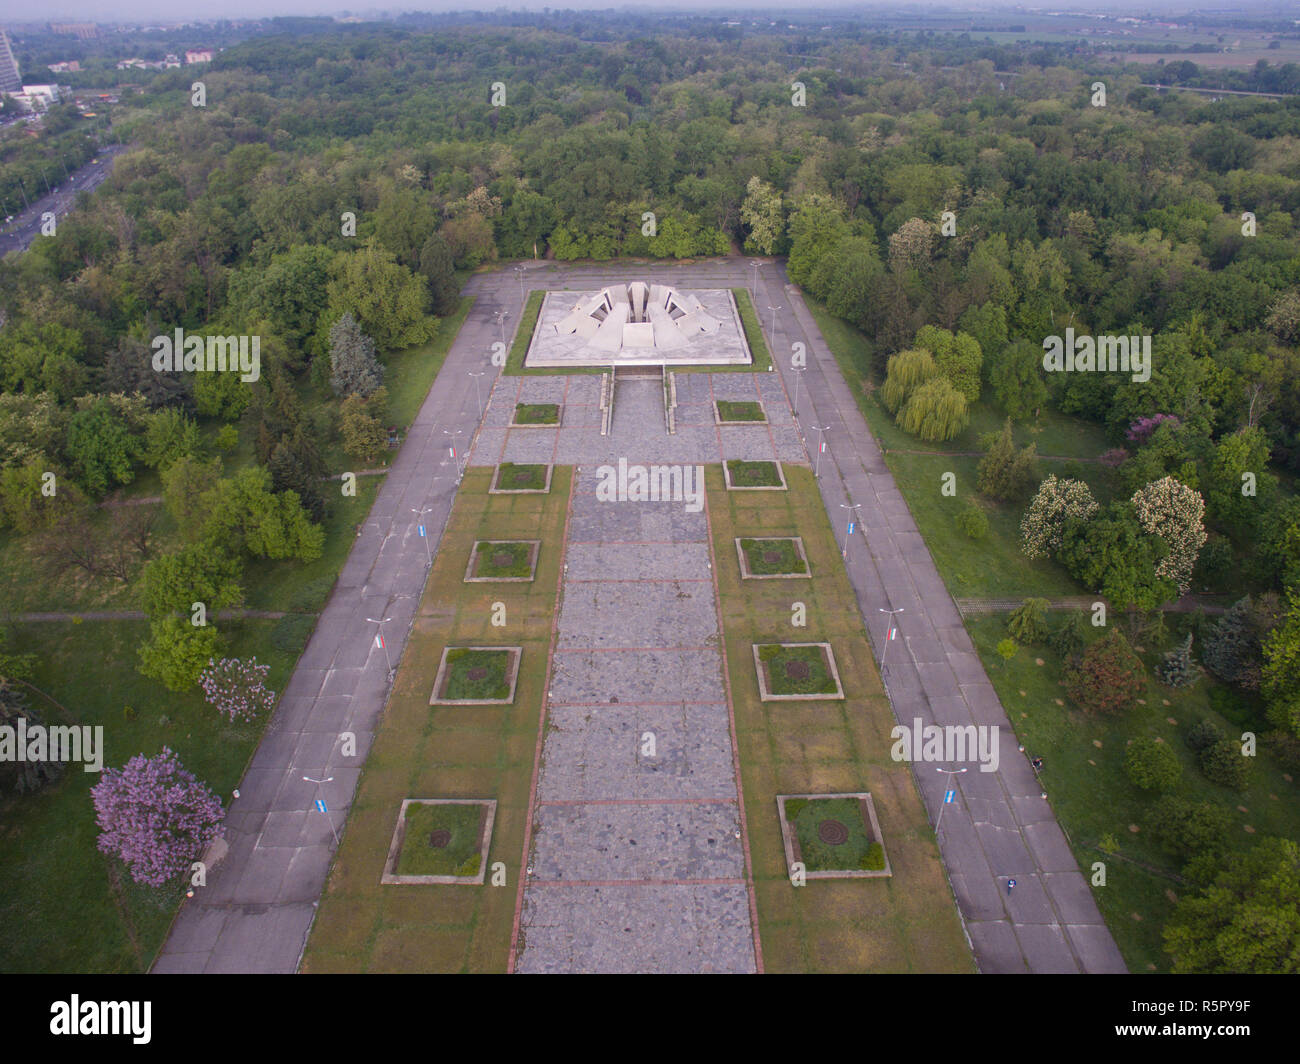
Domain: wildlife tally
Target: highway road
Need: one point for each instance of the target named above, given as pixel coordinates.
(26, 226)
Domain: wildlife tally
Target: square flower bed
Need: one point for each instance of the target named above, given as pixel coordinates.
(772, 558)
(476, 676)
(834, 836)
(503, 560)
(729, 411)
(753, 476)
(440, 840)
(512, 479)
(796, 672)
(533, 414)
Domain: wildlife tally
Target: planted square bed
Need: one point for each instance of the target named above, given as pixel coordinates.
(441, 840)
(512, 479)
(731, 411)
(476, 676)
(753, 476)
(772, 558)
(536, 414)
(834, 836)
(796, 672)
(503, 560)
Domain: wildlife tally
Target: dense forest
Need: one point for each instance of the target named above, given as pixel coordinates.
(956, 202)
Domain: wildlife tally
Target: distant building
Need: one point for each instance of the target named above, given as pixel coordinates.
(66, 68)
(83, 30)
(199, 55)
(40, 97)
(170, 60)
(10, 79)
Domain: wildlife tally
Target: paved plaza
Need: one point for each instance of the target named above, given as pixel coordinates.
(637, 862)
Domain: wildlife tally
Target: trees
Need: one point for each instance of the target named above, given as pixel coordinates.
(1174, 512)
(1188, 828)
(155, 816)
(1108, 553)
(19, 774)
(956, 357)
(1239, 480)
(354, 369)
(100, 447)
(170, 436)
(761, 213)
(1281, 671)
(905, 372)
(934, 411)
(176, 652)
(364, 435)
(1006, 473)
(1017, 379)
(439, 270)
(1056, 503)
(1108, 677)
(237, 688)
(245, 514)
(1152, 765)
(1246, 917)
(387, 300)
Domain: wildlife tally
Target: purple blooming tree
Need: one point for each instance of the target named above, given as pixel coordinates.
(1140, 431)
(237, 688)
(155, 816)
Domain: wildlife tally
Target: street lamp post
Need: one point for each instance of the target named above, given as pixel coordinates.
(519, 272)
(455, 451)
(889, 635)
(382, 641)
(325, 812)
(817, 467)
(797, 374)
(501, 316)
(420, 513)
(950, 772)
(773, 309)
(478, 395)
(848, 531)
(756, 264)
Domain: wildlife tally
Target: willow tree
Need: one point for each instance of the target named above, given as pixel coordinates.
(934, 411)
(906, 372)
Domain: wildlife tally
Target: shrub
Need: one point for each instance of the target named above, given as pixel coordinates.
(1055, 503)
(1224, 763)
(1006, 473)
(1008, 649)
(237, 688)
(1202, 735)
(1108, 677)
(1070, 636)
(1189, 829)
(1177, 669)
(973, 522)
(1028, 623)
(1152, 765)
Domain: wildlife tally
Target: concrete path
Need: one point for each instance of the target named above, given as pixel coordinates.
(255, 912)
(1001, 828)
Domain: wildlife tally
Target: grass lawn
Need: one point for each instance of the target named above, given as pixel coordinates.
(1092, 797)
(424, 751)
(65, 906)
(498, 559)
(796, 670)
(732, 411)
(908, 923)
(773, 557)
(442, 840)
(474, 674)
(754, 474)
(537, 414)
(513, 477)
(857, 851)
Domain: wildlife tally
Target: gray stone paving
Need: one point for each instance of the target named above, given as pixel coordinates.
(637, 862)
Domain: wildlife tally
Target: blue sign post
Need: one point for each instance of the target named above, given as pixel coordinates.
(320, 805)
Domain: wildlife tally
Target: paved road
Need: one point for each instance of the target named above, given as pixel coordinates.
(257, 908)
(1001, 827)
(26, 225)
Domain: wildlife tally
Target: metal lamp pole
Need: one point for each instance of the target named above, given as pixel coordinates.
(325, 813)
(888, 635)
(478, 395)
(852, 508)
(420, 513)
(454, 450)
(950, 772)
(774, 309)
(798, 373)
(382, 641)
(817, 468)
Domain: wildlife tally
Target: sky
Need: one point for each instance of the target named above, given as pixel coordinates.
(167, 10)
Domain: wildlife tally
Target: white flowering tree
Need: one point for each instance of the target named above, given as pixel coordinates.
(1056, 501)
(1171, 510)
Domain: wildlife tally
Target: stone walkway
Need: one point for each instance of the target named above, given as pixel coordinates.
(637, 860)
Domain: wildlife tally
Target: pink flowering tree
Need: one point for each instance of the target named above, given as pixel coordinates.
(237, 688)
(1142, 429)
(155, 816)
